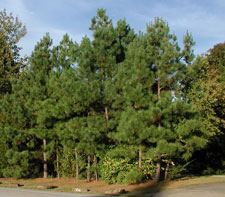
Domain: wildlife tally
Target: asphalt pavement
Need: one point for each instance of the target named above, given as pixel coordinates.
(11, 192)
(205, 190)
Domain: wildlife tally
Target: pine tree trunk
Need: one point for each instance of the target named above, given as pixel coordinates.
(45, 173)
(77, 164)
(57, 159)
(106, 109)
(158, 169)
(158, 165)
(107, 116)
(167, 169)
(88, 168)
(95, 164)
(159, 88)
(140, 158)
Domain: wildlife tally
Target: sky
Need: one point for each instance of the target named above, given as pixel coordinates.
(205, 19)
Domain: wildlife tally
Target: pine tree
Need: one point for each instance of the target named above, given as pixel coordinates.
(134, 82)
(75, 96)
(41, 65)
(150, 75)
(121, 94)
(64, 60)
(11, 63)
(163, 51)
(20, 156)
(92, 131)
(106, 52)
(105, 48)
(165, 61)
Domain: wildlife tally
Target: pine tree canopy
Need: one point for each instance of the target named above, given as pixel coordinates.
(117, 106)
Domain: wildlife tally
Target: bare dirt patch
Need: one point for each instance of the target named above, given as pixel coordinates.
(99, 187)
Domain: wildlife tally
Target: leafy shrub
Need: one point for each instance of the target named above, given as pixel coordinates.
(111, 167)
(208, 171)
(135, 175)
(67, 164)
(122, 170)
(148, 169)
(18, 164)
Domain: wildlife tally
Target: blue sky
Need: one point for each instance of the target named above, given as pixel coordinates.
(205, 19)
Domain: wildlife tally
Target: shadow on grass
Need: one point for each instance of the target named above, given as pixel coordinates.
(148, 189)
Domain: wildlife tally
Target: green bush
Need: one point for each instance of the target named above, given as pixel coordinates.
(111, 167)
(148, 169)
(123, 170)
(18, 164)
(67, 164)
(208, 171)
(134, 175)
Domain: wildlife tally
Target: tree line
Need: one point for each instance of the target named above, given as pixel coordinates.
(120, 106)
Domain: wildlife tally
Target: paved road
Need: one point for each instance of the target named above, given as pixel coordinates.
(11, 192)
(206, 190)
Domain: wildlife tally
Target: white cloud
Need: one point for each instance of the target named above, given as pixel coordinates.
(37, 28)
(203, 18)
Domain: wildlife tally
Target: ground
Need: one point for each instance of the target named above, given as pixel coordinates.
(99, 187)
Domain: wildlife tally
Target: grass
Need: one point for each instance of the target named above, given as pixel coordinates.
(99, 187)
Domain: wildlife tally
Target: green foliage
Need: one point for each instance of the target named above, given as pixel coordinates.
(177, 170)
(120, 165)
(206, 90)
(17, 164)
(18, 161)
(133, 176)
(11, 31)
(3, 159)
(124, 170)
(121, 97)
(114, 169)
(67, 164)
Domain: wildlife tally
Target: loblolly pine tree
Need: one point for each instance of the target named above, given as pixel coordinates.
(152, 72)
(106, 52)
(64, 60)
(88, 77)
(164, 53)
(11, 137)
(75, 95)
(125, 36)
(41, 65)
(134, 81)
(166, 62)
(11, 64)
(105, 48)
(21, 154)
(69, 108)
